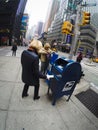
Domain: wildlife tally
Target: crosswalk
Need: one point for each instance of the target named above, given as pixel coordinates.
(18, 54)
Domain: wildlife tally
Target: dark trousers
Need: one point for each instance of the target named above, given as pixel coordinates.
(26, 87)
(13, 53)
(44, 67)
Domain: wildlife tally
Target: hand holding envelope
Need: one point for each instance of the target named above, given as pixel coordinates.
(49, 76)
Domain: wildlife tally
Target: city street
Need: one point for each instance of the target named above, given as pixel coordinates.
(26, 114)
(90, 71)
(68, 98)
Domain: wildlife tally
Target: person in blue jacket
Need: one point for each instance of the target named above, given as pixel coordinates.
(30, 68)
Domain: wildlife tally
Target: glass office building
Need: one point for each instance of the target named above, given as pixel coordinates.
(66, 10)
(52, 10)
(87, 38)
(54, 32)
(18, 19)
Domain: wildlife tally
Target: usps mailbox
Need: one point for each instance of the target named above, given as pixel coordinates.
(66, 75)
(54, 56)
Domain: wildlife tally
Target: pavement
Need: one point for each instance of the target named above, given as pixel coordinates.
(26, 114)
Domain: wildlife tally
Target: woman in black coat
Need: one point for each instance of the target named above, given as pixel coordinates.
(30, 68)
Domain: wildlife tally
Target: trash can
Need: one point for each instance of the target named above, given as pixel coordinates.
(66, 75)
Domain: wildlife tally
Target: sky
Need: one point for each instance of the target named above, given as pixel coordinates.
(37, 10)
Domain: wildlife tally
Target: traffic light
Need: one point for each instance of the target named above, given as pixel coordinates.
(66, 27)
(86, 18)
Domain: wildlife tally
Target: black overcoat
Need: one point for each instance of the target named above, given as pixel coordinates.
(14, 47)
(30, 68)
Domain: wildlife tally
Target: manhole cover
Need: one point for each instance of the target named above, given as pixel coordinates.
(90, 100)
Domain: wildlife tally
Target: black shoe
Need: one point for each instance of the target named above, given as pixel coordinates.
(26, 95)
(78, 81)
(83, 74)
(36, 98)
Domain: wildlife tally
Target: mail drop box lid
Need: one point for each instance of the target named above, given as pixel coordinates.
(61, 63)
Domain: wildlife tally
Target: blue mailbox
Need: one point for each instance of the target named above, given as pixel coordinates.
(66, 75)
(54, 56)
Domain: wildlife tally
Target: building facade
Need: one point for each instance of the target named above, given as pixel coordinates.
(18, 19)
(68, 9)
(93, 9)
(55, 32)
(87, 40)
(39, 28)
(9, 24)
(52, 10)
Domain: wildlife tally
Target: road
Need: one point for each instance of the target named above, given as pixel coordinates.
(90, 71)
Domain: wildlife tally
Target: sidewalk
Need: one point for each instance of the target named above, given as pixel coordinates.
(26, 114)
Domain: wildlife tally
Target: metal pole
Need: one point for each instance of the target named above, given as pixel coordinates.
(76, 33)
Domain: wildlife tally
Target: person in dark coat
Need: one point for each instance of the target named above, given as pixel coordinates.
(30, 68)
(14, 49)
(79, 57)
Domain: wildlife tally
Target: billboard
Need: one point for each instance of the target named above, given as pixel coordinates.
(24, 22)
(68, 39)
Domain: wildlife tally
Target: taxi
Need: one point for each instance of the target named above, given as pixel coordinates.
(95, 60)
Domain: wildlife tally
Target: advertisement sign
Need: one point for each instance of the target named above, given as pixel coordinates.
(69, 38)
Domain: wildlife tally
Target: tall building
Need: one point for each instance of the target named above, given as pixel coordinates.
(54, 33)
(93, 9)
(87, 38)
(39, 27)
(52, 9)
(36, 30)
(8, 11)
(31, 32)
(67, 10)
(18, 18)
(94, 20)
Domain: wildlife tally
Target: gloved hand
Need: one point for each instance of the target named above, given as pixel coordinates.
(49, 76)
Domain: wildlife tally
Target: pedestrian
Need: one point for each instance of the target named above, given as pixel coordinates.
(79, 57)
(14, 48)
(30, 68)
(45, 56)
